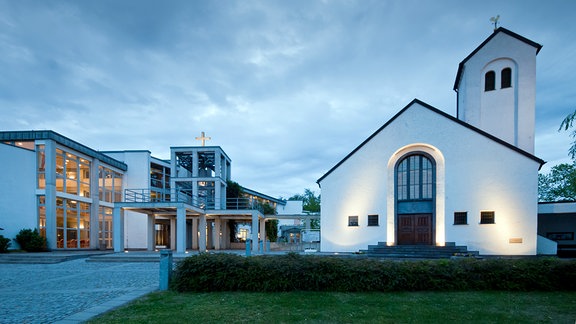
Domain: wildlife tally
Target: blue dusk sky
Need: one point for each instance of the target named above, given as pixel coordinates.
(286, 88)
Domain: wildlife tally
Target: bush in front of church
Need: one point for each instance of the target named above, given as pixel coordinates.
(31, 241)
(292, 272)
(4, 244)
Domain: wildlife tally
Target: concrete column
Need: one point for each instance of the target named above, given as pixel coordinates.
(217, 195)
(173, 232)
(202, 229)
(195, 164)
(225, 237)
(307, 222)
(209, 243)
(181, 229)
(50, 190)
(118, 229)
(95, 207)
(195, 233)
(262, 234)
(254, 231)
(216, 234)
(151, 237)
(218, 203)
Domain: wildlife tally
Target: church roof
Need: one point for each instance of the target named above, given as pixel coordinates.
(496, 32)
(445, 115)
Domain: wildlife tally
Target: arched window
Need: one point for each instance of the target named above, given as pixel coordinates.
(415, 178)
(490, 81)
(506, 78)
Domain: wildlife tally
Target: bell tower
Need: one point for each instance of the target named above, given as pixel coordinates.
(496, 88)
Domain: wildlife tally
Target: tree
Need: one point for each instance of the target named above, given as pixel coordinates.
(233, 189)
(272, 230)
(567, 124)
(559, 184)
(310, 204)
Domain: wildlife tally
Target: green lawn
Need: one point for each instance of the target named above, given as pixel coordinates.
(331, 307)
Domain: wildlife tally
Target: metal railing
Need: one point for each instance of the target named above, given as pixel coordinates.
(186, 196)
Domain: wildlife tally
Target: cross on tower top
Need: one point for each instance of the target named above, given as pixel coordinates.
(203, 138)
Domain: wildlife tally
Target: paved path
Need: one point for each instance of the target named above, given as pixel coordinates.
(72, 291)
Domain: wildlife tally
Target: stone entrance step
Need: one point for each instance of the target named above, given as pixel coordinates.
(382, 250)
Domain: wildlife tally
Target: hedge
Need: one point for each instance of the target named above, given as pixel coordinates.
(292, 272)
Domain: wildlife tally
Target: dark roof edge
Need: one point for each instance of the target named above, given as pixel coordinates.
(500, 29)
(440, 112)
(556, 202)
(256, 193)
(52, 135)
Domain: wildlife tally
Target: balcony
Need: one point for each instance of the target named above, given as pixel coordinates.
(186, 196)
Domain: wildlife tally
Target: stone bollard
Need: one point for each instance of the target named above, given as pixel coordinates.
(248, 248)
(165, 269)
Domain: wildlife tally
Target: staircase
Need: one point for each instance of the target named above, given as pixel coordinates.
(381, 250)
(43, 257)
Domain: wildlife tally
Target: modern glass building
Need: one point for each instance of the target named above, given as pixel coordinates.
(63, 188)
(80, 198)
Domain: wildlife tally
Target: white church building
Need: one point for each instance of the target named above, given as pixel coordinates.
(428, 178)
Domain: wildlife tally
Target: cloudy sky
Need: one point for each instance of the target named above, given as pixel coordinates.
(286, 88)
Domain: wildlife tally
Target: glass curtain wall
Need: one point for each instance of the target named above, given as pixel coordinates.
(159, 182)
(105, 227)
(109, 185)
(72, 224)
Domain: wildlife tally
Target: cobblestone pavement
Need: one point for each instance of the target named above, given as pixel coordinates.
(72, 291)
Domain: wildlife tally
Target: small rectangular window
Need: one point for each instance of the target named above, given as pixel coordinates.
(352, 220)
(460, 218)
(487, 217)
(372, 220)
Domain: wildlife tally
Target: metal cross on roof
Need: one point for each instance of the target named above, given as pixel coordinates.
(203, 138)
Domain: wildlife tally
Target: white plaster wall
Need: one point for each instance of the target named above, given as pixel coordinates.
(17, 191)
(472, 96)
(480, 174)
(136, 177)
(292, 207)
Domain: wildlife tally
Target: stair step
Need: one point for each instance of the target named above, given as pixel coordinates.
(450, 249)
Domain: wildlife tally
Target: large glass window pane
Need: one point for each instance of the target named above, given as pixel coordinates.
(84, 171)
(72, 186)
(85, 190)
(71, 167)
(414, 178)
(117, 186)
(41, 166)
(72, 238)
(60, 235)
(105, 220)
(42, 215)
(59, 163)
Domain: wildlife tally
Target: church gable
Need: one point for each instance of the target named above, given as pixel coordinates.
(498, 31)
(414, 126)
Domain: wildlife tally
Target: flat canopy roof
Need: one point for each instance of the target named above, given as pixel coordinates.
(52, 135)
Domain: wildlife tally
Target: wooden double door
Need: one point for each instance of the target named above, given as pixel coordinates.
(414, 229)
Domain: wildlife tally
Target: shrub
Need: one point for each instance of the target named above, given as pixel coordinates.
(4, 244)
(31, 241)
(293, 272)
